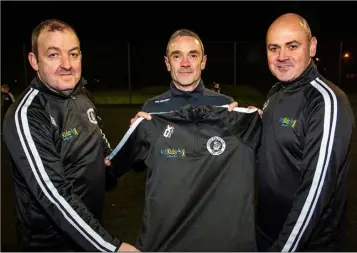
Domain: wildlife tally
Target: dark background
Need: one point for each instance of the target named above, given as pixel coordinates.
(106, 29)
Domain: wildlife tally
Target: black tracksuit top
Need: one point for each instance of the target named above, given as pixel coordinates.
(57, 151)
(303, 164)
(200, 184)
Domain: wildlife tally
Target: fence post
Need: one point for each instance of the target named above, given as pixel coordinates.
(340, 63)
(129, 74)
(235, 63)
(25, 61)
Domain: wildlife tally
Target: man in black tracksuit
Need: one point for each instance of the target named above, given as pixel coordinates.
(305, 148)
(200, 178)
(57, 151)
(57, 159)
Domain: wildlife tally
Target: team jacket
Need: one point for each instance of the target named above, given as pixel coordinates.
(57, 161)
(303, 164)
(174, 99)
(199, 188)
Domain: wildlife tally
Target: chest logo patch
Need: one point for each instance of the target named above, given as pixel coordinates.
(69, 134)
(91, 116)
(287, 122)
(169, 131)
(216, 145)
(173, 152)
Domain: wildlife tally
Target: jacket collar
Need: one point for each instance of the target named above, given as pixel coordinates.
(197, 92)
(38, 84)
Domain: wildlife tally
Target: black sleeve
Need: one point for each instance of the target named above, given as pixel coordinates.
(247, 125)
(133, 148)
(328, 138)
(30, 144)
(110, 176)
(110, 172)
(106, 145)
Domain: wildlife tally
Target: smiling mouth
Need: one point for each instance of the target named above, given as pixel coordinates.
(284, 66)
(66, 76)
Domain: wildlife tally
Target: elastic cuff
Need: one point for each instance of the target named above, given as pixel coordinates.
(117, 248)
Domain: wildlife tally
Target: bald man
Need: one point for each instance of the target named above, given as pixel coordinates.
(305, 148)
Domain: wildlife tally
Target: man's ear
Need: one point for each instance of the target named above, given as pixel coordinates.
(203, 63)
(313, 46)
(33, 61)
(167, 63)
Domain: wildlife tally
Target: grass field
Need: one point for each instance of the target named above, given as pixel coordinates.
(124, 205)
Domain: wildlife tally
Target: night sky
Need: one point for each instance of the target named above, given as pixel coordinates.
(157, 20)
(105, 27)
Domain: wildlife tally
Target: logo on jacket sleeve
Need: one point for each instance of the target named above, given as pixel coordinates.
(216, 145)
(169, 131)
(91, 116)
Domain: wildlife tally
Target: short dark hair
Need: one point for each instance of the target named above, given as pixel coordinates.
(181, 33)
(5, 86)
(51, 25)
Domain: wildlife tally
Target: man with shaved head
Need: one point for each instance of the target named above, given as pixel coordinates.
(305, 148)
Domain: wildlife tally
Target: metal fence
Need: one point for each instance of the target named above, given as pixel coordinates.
(139, 66)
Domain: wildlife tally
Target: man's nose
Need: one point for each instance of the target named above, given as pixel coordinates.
(185, 62)
(283, 55)
(66, 63)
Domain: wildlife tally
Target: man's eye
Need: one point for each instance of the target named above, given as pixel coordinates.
(74, 55)
(273, 49)
(53, 55)
(293, 46)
